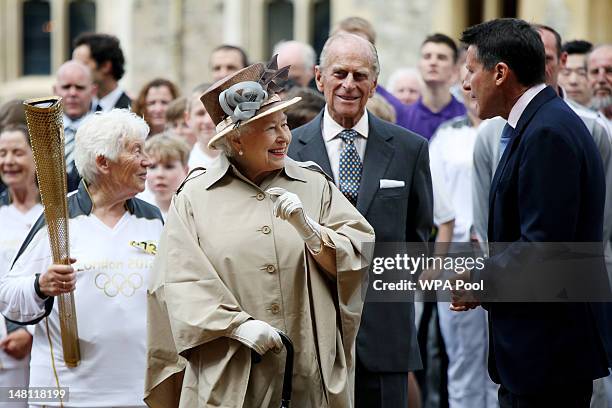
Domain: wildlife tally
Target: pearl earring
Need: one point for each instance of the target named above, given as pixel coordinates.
(240, 153)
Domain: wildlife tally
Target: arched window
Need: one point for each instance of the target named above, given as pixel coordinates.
(280, 23)
(36, 37)
(82, 18)
(320, 24)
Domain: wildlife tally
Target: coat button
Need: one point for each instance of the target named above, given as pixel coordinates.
(270, 269)
(275, 308)
(260, 196)
(266, 229)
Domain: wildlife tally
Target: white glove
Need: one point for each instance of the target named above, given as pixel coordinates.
(287, 206)
(257, 335)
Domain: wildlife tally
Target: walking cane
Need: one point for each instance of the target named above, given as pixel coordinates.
(288, 376)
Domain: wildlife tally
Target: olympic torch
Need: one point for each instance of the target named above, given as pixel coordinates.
(44, 118)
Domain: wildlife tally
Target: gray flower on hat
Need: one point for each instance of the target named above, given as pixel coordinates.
(242, 100)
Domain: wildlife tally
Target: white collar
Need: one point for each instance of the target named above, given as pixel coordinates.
(108, 102)
(520, 105)
(331, 128)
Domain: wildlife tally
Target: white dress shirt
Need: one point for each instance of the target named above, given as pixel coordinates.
(520, 105)
(107, 102)
(334, 144)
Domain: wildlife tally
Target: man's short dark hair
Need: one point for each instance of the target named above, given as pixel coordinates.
(554, 32)
(577, 47)
(227, 47)
(511, 41)
(104, 47)
(440, 38)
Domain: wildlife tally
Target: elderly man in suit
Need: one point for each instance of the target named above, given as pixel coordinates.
(383, 170)
(548, 187)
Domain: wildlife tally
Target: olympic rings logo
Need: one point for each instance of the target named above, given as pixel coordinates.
(118, 283)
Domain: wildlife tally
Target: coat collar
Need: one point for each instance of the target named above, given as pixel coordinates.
(223, 166)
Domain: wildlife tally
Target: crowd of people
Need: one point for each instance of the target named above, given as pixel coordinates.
(202, 225)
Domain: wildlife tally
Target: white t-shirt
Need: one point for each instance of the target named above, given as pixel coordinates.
(451, 153)
(14, 226)
(110, 298)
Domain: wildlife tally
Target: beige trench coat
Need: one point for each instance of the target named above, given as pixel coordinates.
(223, 259)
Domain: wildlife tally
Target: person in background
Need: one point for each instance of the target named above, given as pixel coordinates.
(599, 74)
(103, 55)
(406, 85)
(306, 109)
(301, 59)
(168, 155)
(176, 122)
(225, 60)
(202, 126)
(75, 85)
(573, 75)
(19, 208)
(358, 26)
(380, 108)
(437, 66)
(11, 113)
(153, 101)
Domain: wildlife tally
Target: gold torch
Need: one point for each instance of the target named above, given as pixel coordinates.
(44, 117)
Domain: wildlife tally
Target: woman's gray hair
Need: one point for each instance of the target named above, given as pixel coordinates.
(104, 134)
(225, 143)
(343, 36)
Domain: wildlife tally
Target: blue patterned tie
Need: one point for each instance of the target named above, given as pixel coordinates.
(505, 139)
(350, 166)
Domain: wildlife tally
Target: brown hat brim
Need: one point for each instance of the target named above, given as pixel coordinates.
(281, 106)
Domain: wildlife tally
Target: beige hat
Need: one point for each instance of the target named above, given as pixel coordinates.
(244, 97)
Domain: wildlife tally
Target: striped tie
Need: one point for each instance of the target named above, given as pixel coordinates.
(69, 133)
(350, 166)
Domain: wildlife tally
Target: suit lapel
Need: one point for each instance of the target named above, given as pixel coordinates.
(379, 151)
(540, 99)
(313, 145)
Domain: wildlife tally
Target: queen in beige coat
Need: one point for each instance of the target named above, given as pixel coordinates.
(255, 244)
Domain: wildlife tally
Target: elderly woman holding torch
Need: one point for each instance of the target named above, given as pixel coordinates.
(255, 244)
(113, 237)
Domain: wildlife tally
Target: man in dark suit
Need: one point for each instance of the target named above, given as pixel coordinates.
(548, 187)
(384, 170)
(102, 53)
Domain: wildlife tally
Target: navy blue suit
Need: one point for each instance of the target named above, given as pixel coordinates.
(548, 187)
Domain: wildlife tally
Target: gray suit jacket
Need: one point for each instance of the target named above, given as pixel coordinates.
(386, 341)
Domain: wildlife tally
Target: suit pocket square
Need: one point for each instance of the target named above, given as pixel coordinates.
(384, 183)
